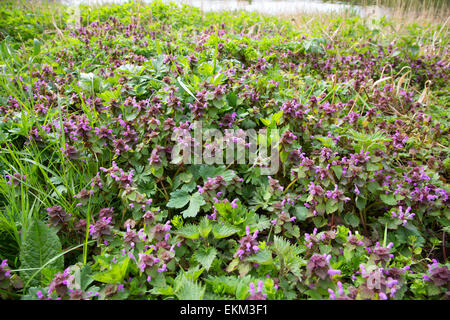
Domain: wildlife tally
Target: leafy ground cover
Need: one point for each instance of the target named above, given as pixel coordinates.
(93, 208)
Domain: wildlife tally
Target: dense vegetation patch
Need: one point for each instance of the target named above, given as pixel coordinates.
(92, 206)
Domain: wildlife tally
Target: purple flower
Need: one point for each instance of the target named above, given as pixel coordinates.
(248, 245)
(258, 295)
(57, 216)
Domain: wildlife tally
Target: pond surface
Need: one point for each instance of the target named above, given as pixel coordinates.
(370, 8)
(265, 6)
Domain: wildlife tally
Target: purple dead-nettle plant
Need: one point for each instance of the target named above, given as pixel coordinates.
(403, 216)
(319, 265)
(61, 283)
(147, 261)
(160, 231)
(354, 240)
(256, 295)
(5, 274)
(382, 254)
(439, 275)
(58, 217)
(102, 228)
(16, 179)
(248, 245)
(337, 194)
(131, 237)
(376, 283)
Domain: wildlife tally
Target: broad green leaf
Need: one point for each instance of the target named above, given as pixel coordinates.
(204, 227)
(190, 290)
(351, 219)
(389, 199)
(361, 203)
(195, 202)
(206, 256)
(331, 206)
(301, 212)
(40, 245)
(221, 231)
(178, 199)
(262, 257)
(115, 274)
(189, 231)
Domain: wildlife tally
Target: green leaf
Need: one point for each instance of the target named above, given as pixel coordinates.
(204, 227)
(195, 202)
(233, 265)
(221, 231)
(41, 244)
(189, 231)
(389, 199)
(361, 203)
(373, 186)
(178, 199)
(206, 256)
(164, 291)
(244, 268)
(337, 171)
(185, 88)
(36, 47)
(263, 257)
(115, 274)
(351, 219)
(301, 212)
(331, 206)
(319, 221)
(190, 290)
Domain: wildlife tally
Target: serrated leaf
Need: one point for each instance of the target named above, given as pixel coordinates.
(263, 257)
(206, 256)
(361, 203)
(244, 268)
(178, 199)
(115, 274)
(189, 231)
(331, 206)
(337, 171)
(41, 244)
(221, 231)
(351, 219)
(190, 290)
(389, 199)
(164, 291)
(204, 227)
(195, 202)
(301, 212)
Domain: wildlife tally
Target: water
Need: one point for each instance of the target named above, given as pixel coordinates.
(275, 7)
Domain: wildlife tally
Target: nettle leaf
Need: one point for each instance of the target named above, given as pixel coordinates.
(263, 257)
(189, 231)
(389, 199)
(116, 273)
(206, 256)
(337, 171)
(361, 203)
(41, 244)
(351, 219)
(221, 231)
(195, 202)
(190, 290)
(178, 199)
(204, 227)
(301, 212)
(331, 206)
